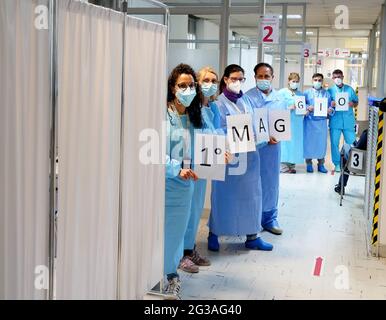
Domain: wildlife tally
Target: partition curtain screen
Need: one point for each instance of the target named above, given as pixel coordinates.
(24, 148)
(90, 81)
(143, 177)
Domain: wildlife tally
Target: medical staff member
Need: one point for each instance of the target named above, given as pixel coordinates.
(264, 96)
(342, 122)
(237, 201)
(315, 127)
(292, 151)
(183, 116)
(208, 84)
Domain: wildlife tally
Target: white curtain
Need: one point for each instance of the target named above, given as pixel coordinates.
(143, 184)
(24, 149)
(90, 81)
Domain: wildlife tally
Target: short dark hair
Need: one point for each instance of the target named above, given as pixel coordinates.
(263, 64)
(318, 75)
(338, 71)
(227, 72)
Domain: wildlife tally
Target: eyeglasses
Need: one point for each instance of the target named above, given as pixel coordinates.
(214, 81)
(185, 86)
(233, 79)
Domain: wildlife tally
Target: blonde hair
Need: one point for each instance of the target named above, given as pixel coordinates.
(201, 75)
(293, 76)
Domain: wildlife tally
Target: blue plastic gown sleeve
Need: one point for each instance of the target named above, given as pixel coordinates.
(173, 167)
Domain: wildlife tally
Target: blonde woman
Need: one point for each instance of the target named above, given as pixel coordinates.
(208, 87)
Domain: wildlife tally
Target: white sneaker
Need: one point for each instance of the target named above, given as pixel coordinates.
(173, 288)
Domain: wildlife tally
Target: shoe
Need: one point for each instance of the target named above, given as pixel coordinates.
(188, 266)
(338, 189)
(274, 228)
(292, 171)
(322, 168)
(258, 244)
(199, 260)
(173, 289)
(213, 244)
(310, 169)
(337, 168)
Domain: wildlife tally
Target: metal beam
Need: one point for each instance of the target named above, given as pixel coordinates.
(371, 59)
(381, 83)
(283, 37)
(224, 34)
(304, 41)
(260, 49)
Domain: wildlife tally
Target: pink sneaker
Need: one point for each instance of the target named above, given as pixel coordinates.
(188, 266)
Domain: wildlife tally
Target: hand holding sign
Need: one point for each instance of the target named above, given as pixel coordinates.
(280, 124)
(241, 136)
(341, 101)
(210, 156)
(300, 104)
(321, 107)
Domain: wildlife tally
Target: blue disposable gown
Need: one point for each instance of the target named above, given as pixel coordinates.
(292, 151)
(315, 128)
(270, 158)
(209, 119)
(236, 202)
(178, 196)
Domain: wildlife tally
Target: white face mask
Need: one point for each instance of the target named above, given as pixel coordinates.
(235, 87)
(338, 81)
(294, 85)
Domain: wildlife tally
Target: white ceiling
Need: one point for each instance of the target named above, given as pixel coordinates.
(320, 13)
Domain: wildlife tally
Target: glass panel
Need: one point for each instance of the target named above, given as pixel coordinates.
(194, 40)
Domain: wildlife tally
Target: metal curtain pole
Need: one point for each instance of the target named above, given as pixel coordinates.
(120, 214)
(53, 36)
(260, 44)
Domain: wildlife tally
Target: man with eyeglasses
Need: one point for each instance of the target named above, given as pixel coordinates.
(265, 96)
(342, 122)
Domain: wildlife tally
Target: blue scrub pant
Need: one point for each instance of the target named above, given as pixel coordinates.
(335, 134)
(195, 214)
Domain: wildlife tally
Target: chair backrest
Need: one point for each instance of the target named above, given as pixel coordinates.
(357, 161)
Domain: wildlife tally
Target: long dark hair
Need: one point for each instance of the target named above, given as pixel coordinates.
(194, 111)
(227, 72)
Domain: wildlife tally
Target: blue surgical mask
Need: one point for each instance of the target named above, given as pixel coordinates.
(209, 90)
(338, 81)
(263, 85)
(186, 97)
(317, 85)
(294, 85)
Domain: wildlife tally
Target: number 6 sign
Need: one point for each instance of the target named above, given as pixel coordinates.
(269, 26)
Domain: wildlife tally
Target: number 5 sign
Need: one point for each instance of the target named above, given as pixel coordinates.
(269, 28)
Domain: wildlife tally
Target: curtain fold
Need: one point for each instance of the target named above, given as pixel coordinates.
(143, 184)
(24, 149)
(90, 77)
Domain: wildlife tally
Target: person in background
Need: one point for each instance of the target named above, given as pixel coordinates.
(237, 201)
(264, 96)
(208, 84)
(183, 115)
(342, 122)
(292, 151)
(315, 127)
(361, 144)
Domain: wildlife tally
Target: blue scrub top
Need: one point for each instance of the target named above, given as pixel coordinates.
(343, 119)
(310, 95)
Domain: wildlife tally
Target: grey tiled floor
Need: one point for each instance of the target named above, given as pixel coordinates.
(314, 226)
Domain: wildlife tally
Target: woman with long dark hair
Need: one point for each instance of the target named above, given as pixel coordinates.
(183, 116)
(237, 202)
